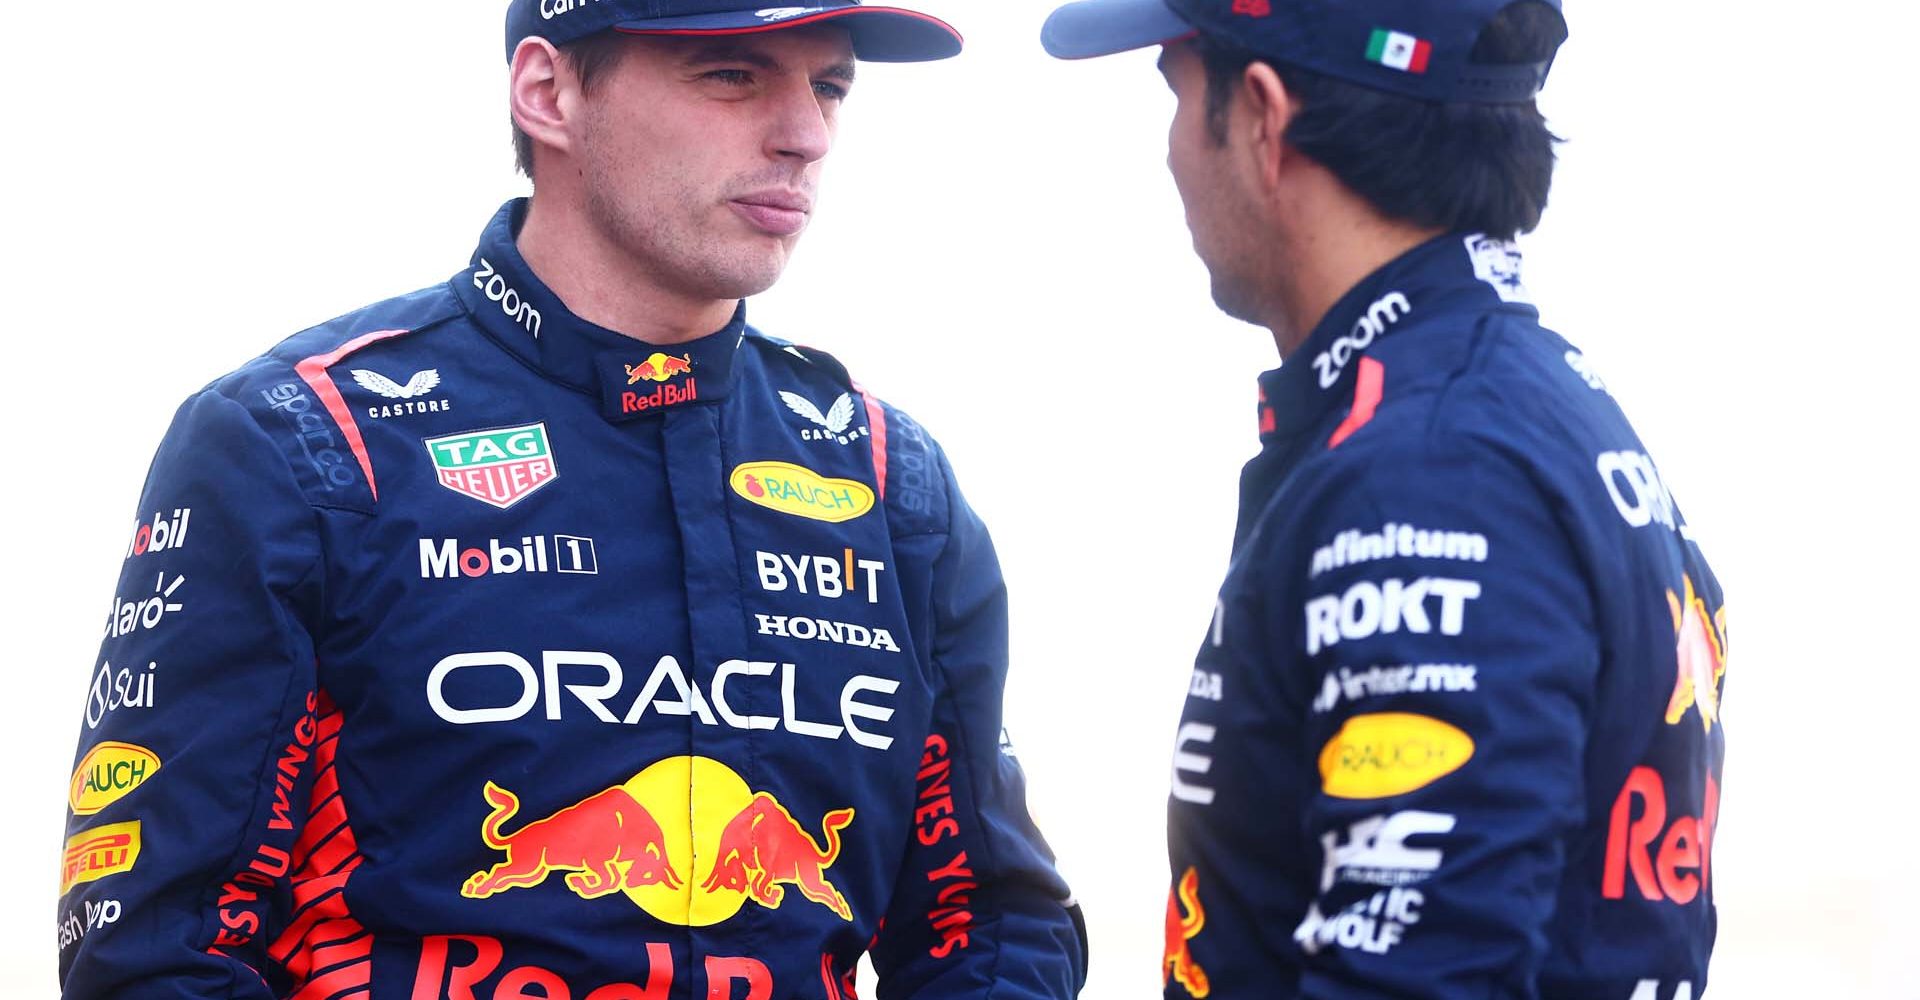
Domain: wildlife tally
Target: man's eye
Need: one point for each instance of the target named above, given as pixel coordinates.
(830, 91)
(731, 77)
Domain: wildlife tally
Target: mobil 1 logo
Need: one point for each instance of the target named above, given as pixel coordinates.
(447, 558)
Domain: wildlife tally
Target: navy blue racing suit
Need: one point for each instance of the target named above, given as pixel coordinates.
(464, 649)
(1455, 729)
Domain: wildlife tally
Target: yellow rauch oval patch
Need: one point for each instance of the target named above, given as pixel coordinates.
(800, 491)
(1390, 753)
(109, 771)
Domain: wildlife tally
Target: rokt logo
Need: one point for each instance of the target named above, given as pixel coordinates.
(736, 845)
(163, 534)
(1369, 608)
(443, 558)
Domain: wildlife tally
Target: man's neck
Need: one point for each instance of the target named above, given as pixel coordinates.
(607, 287)
(1325, 255)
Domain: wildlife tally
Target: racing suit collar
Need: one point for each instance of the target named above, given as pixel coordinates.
(631, 377)
(1455, 273)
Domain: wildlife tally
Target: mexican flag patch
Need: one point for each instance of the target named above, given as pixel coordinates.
(1398, 50)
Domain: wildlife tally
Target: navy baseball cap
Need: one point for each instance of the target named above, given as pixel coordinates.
(1416, 48)
(880, 34)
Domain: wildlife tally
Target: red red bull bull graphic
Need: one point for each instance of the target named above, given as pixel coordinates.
(1700, 657)
(606, 843)
(683, 861)
(764, 846)
(659, 367)
(1177, 962)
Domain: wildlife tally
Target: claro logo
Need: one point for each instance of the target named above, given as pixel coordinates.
(494, 286)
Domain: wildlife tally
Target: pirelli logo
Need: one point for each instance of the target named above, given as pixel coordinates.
(99, 852)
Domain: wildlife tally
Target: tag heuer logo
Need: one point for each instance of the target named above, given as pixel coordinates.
(499, 466)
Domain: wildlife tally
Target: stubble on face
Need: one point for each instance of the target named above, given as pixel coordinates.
(1225, 223)
(683, 127)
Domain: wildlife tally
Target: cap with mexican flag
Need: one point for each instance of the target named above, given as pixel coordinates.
(1399, 50)
(1424, 49)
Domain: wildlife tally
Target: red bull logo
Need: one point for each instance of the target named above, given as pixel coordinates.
(1178, 963)
(606, 843)
(659, 368)
(765, 846)
(750, 847)
(1700, 657)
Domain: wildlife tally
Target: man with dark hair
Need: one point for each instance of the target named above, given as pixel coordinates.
(549, 632)
(1455, 729)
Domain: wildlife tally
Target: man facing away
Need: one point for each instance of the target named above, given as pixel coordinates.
(1454, 731)
(550, 632)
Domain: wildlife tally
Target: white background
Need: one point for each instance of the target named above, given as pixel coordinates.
(1001, 252)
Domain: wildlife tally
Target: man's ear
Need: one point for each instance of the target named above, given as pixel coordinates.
(1269, 109)
(536, 93)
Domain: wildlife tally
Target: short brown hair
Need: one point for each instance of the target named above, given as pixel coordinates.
(591, 57)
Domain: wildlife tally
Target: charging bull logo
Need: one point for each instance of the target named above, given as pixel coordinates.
(1701, 657)
(659, 367)
(764, 846)
(1178, 962)
(607, 843)
(750, 847)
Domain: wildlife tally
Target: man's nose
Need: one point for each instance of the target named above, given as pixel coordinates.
(801, 128)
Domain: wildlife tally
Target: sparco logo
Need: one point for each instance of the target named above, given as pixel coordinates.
(495, 287)
(442, 558)
(314, 433)
(1384, 312)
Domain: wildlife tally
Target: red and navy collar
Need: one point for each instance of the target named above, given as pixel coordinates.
(1458, 275)
(631, 377)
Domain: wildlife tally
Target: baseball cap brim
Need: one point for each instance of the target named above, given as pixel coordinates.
(1103, 27)
(880, 34)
